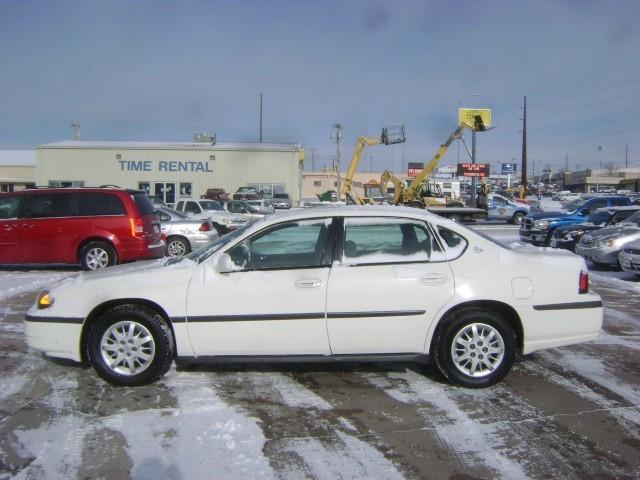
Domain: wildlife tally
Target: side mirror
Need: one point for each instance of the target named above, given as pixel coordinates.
(223, 264)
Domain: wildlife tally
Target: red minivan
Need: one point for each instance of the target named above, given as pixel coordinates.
(96, 227)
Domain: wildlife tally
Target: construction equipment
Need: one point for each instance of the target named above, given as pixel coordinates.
(390, 135)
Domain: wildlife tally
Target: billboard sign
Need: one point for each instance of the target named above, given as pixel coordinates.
(508, 168)
(473, 169)
(478, 118)
(414, 169)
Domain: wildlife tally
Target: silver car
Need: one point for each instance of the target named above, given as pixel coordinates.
(242, 207)
(281, 200)
(184, 233)
(603, 246)
(629, 257)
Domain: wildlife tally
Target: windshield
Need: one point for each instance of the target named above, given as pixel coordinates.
(281, 195)
(210, 205)
(633, 219)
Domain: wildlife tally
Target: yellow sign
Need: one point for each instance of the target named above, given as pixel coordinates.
(478, 118)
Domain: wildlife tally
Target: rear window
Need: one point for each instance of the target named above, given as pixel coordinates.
(90, 204)
(280, 195)
(144, 204)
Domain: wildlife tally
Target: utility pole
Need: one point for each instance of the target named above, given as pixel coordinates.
(626, 156)
(260, 118)
(77, 134)
(523, 181)
(474, 180)
(313, 159)
(337, 136)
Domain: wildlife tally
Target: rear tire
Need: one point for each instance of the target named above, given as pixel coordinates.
(177, 247)
(475, 348)
(130, 345)
(219, 229)
(97, 255)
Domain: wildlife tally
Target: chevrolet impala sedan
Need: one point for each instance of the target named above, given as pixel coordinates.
(335, 283)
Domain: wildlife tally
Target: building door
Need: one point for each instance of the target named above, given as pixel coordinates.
(165, 191)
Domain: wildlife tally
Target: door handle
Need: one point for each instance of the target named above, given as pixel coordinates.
(308, 283)
(433, 278)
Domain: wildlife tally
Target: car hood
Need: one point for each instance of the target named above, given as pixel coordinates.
(616, 231)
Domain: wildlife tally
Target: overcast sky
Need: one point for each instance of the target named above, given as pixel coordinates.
(163, 70)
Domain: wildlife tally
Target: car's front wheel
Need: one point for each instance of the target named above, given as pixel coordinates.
(130, 345)
(517, 218)
(475, 348)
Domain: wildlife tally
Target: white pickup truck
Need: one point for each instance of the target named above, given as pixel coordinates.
(213, 210)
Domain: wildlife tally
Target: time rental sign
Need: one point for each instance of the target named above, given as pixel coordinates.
(164, 166)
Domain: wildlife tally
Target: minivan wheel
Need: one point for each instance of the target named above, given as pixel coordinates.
(177, 247)
(96, 255)
(130, 345)
(475, 349)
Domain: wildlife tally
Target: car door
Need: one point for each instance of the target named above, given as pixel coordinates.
(10, 247)
(273, 302)
(48, 228)
(391, 280)
(499, 208)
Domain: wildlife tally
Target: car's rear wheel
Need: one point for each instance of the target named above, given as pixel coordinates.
(130, 345)
(517, 218)
(219, 229)
(475, 348)
(97, 255)
(177, 246)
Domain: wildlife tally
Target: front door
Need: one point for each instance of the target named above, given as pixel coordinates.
(165, 191)
(391, 281)
(273, 303)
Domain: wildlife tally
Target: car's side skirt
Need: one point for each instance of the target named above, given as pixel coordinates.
(369, 357)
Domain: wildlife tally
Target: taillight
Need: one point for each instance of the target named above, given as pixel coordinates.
(205, 227)
(137, 227)
(583, 284)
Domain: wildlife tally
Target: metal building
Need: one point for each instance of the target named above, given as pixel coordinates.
(172, 170)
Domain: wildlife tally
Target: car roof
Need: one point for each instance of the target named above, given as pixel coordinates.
(353, 211)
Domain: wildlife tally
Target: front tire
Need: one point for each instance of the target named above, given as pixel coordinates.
(97, 255)
(130, 345)
(475, 348)
(517, 218)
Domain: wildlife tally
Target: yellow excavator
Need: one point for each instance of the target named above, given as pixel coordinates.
(414, 194)
(390, 135)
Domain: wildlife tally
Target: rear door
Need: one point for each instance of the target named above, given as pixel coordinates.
(385, 291)
(10, 250)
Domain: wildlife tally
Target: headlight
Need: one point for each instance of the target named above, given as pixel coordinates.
(542, 224)
(45, 299)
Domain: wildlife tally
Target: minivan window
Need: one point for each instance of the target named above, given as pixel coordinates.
(91, 204)
(44, 205)
(9, 207)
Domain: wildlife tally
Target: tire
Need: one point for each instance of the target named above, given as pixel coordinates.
(97, 255)
(130, 345)
(475, 365)
(177, 246)
(219, 229)
(517, 218)
(455, 217)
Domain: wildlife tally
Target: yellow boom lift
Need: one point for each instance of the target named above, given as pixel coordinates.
(412, 195)
(390, 135)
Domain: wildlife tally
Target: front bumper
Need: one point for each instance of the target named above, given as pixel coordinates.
(536, 237)
(629, 262)
(598, 255)
(56, 337)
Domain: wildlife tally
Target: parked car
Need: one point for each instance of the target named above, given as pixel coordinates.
(246, 193)
(603, 246)
(222, 220)
(629, 257)
(281, 200)
(244, 208)
(95, 227)
(184, 233)
(264, 206)
(218, 194)
(567, 236)
(337, 283)
(537, 228)
(501, 208)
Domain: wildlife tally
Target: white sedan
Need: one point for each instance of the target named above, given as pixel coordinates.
(336, 283)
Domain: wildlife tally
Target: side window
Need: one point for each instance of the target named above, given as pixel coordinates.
(299, 244)
(9, 207)
(46, 205)
(179, 205)
(92, 204)
(498, 201)
(596, 205)
(370, 241)
(454, 244)
(619, 202)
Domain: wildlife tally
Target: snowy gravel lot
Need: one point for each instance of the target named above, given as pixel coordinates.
(570, 412)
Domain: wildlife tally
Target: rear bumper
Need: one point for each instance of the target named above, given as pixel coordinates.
(141, 250)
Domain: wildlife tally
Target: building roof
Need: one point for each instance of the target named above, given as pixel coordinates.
(17, 158)
(261, 147)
